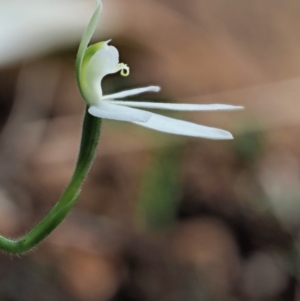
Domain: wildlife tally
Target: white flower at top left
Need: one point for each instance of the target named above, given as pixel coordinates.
(98, 60)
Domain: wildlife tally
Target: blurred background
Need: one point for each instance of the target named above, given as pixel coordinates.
(160, 217)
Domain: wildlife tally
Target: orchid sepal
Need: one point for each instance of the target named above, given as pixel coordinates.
(86, 37)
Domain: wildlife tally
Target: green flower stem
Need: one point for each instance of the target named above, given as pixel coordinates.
(88, 148)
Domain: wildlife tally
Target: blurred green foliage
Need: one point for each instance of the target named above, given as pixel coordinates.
(249, 145)
(160, 191)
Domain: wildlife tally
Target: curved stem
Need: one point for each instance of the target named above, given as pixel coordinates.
(89, 142)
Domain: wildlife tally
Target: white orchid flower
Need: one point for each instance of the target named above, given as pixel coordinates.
(98, 60)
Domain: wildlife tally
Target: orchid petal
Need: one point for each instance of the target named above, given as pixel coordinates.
(180, 127)
(122, 113)
(100, 59)
(177, 106)
(132, 92)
